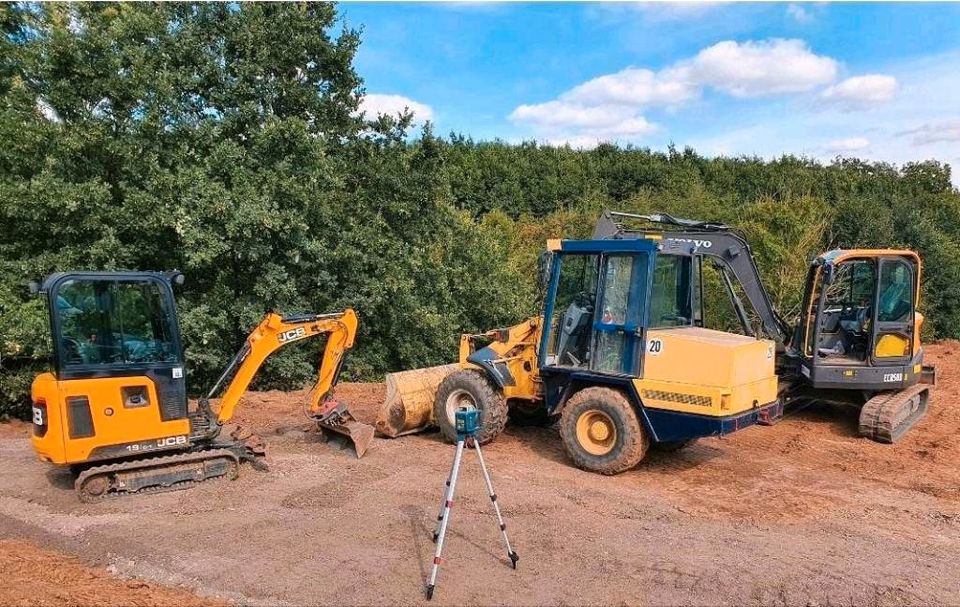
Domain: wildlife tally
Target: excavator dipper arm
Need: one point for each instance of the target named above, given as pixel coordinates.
(273, 333)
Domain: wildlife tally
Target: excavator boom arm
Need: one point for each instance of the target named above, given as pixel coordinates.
(273, 333)
(715, 241)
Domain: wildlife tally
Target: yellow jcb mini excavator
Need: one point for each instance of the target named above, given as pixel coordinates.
(115, 406)
(621, 357)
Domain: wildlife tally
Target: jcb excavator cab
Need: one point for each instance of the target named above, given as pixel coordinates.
(859, 326)
(117, 384)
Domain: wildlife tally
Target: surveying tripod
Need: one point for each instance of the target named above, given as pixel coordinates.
(467, 424)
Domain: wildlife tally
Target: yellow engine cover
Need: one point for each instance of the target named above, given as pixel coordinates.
(706, 372)
(112, 421)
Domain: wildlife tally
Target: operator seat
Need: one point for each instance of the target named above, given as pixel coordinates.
(571, 348)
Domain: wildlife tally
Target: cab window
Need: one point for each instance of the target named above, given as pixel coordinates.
(571, 325)
(896, 292)
(103, 322)
(671, 295)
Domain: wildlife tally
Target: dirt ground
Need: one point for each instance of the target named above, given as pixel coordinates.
(801, 513)
(33, 576)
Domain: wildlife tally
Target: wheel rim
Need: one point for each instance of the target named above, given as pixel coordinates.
(596, 432)
(456, 400)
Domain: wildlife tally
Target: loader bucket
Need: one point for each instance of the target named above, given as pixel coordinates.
(408, 407)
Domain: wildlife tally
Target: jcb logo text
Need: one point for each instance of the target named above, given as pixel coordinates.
(292, 335)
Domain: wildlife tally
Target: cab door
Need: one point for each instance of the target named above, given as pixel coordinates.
(893, 327)
(619, 318)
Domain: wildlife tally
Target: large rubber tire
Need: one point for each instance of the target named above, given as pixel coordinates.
(628, 442)
(470, 388)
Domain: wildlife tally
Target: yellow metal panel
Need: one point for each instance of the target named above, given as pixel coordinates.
(675, 396)
(892, 345)
(694, 355)
(113, 423)
(707, 372)
(50, 445)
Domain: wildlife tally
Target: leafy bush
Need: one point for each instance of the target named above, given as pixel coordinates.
(224, 140)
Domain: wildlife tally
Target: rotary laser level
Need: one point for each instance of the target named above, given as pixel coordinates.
(467, 423)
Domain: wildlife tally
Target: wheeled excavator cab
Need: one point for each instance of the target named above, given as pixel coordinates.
(117, 387)
(619, 355)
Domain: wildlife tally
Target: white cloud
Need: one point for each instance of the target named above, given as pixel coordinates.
(561, 120)
(846, 146)
(636, 86)
(799, 14)
(767, 67)
(376, 103)
(920, 123)
(939, 131)
(562, 113)
(861, 92)
(611, 106)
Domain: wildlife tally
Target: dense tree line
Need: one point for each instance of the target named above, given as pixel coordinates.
(225, 141)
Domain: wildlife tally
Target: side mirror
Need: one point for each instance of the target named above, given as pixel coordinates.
(34, 287)
(546, 269)
(828, 274)
(179, 279)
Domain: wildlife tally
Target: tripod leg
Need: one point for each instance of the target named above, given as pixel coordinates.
(445, 519)
(443, 502)
(496, 507)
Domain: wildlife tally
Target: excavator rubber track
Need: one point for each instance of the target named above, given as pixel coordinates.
(887, 416)
(156, 474)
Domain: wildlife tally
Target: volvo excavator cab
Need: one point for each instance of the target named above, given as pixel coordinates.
(859, 326)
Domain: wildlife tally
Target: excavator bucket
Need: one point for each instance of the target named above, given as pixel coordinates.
(340, 428)
(408, 407)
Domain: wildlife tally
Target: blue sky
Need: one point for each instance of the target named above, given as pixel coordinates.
(878, 81)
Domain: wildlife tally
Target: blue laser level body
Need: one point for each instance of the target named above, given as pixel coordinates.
(467, 422)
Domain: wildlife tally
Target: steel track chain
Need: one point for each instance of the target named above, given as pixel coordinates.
(882, 417)
(158, 463)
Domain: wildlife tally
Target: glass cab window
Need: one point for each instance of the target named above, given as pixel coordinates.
(619, 291)
(107, 322)
(574, 304)
(844, 330)
(896, 292)
(672, 292)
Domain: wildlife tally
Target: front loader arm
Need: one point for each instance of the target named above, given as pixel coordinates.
(273, 333)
